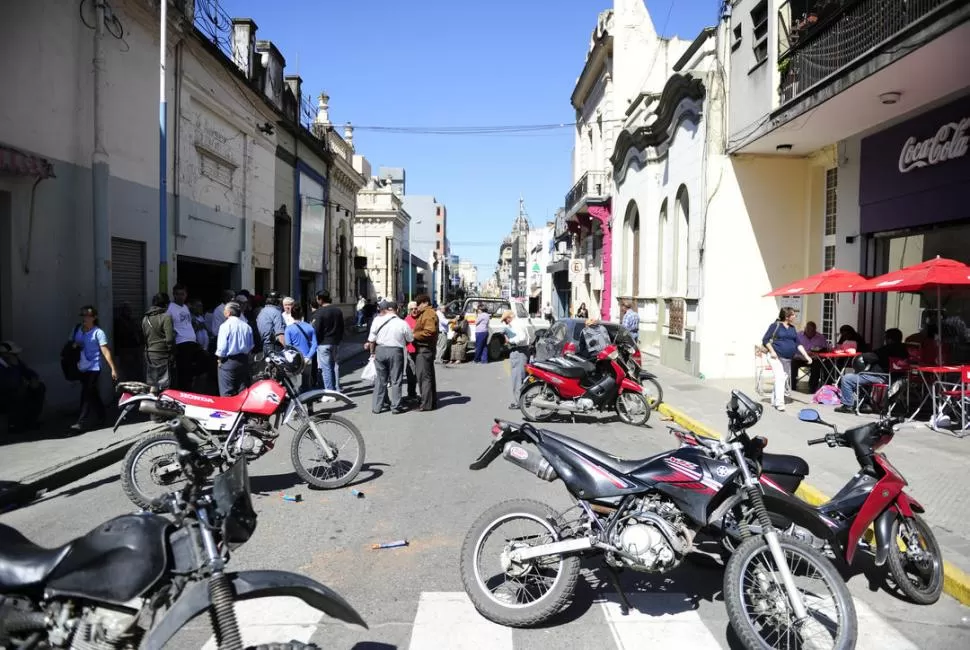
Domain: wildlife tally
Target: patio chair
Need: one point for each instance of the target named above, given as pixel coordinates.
(953, 405)
(764, 376)
(873, 395)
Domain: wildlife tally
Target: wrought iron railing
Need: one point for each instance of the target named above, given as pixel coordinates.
(213, 21)
(818, 38)
(593, 184)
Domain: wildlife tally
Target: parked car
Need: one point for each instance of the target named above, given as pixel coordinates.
(497, 344)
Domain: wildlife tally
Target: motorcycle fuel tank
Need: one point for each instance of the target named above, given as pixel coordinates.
(117, 561)
(264, 398)
(692, 479)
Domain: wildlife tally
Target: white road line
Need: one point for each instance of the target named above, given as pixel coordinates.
(662, 618)
(448, 620)
(875, 632)
(277, 619)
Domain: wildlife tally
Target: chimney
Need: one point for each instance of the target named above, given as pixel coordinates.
(322, 121)
(273, 62)
(349, 134)
(244, 45)
(295, 83)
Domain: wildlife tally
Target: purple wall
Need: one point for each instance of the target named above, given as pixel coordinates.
(927, 193)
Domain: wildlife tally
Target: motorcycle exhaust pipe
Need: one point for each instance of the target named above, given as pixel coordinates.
(532, 461)
(160, 409)
(557, 406)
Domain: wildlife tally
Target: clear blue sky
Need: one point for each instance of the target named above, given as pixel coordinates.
(447, 63)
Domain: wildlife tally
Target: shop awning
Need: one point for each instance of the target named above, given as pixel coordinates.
(17, 163)
(558, 266)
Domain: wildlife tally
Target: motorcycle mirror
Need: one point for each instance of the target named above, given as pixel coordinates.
(809, 415)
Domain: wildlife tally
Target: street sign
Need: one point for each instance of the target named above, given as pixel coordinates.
(577, 268)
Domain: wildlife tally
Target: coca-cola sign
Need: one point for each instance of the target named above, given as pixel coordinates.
(951, 141)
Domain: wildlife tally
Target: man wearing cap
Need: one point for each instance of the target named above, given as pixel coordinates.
(426, 341)
(387, 341)
(21, 390)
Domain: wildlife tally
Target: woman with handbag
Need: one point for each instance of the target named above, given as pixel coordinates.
(92, 344)
(781, 340)
(458, 335)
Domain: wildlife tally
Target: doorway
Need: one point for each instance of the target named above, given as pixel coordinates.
(263, 285)
(281, 251)
(205, 279)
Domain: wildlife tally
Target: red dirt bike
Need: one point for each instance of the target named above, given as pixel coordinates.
(245, 426)
(576, 384)
(873, 496)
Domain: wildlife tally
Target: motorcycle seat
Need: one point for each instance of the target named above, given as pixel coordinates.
(784, 464)
(232, 403)
(24, 564)
(619, 465)
(563, 369)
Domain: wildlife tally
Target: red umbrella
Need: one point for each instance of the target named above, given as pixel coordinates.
(935, 273)
(831, 281)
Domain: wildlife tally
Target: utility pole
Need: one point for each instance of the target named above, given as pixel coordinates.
(162, 151)
(100, 173)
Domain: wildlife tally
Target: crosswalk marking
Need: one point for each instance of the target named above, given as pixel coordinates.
(875, 632)
(276, 619)
(666, 618)
(449, 620)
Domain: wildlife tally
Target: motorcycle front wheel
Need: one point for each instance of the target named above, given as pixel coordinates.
(310, 461)
(633, 408)
(516, 594)
(915, 561)
(761, 613)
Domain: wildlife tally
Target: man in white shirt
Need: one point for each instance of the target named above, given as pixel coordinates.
(442, 334)
(518, 337)
(186, 347)
(387, 342)
(288, 303)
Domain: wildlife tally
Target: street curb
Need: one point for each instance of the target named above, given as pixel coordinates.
(956, 582)
(52, 478)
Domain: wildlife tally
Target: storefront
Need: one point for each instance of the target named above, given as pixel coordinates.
(914, 198)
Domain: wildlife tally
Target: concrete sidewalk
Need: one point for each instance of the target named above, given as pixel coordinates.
(934, 464)
(46, 459)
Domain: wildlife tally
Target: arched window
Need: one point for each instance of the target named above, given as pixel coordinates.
(664, 252)
(631, 250)
(683, 240)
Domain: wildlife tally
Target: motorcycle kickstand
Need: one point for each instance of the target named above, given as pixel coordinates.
(614, 576)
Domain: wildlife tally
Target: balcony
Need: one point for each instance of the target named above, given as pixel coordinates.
(593, 187)
(818, 39)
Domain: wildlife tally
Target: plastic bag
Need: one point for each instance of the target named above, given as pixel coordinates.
(369, 373)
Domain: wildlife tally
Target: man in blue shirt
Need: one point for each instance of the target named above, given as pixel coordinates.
(631, 321)
(233, 345)
(303, 337)
(270, 324)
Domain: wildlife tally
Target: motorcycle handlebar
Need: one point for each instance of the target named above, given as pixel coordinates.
(817, 441)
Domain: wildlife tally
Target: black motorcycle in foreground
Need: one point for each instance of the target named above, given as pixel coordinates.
(138, 579)
(643, 515)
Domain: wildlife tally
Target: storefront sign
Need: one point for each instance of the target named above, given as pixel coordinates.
(917, 173)
(950, 142)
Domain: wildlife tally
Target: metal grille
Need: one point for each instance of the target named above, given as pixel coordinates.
(128, 274)
(212, 20)
(828, 35)
(828, 299)
(831, 199)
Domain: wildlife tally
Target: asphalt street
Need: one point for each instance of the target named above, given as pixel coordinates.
(417, 486)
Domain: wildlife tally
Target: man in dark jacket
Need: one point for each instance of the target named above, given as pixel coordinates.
(425, 341)
(159, 331)
(328, 321)
(21, 390)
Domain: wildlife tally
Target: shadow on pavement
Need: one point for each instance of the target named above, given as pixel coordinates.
(268, 483)
(78, 489)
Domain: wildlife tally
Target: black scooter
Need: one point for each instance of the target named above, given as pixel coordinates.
(108, 588)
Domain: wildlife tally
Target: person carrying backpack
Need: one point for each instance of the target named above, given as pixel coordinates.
(91, 344)
(301, 335)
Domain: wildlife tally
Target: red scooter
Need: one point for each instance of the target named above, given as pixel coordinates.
(575, 384)
(873, 496)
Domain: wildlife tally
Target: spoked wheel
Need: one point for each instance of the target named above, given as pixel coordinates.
(517, 594)
(310, 459)
(653, 392)
(915, 561)
(532, 413)
(633, 408)
(761, 613)
(151, 469)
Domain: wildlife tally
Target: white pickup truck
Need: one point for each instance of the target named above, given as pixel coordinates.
(497, 344)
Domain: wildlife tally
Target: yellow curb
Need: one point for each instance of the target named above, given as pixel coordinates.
(956, 582)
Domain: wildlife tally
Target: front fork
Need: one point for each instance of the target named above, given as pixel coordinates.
(328, 450)
(753, 490)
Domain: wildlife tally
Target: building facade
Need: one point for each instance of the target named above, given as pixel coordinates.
(380, 228)
(613, 77)
(861, 150)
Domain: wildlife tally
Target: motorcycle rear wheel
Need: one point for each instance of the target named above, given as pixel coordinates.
(929, 591)
(340, 479)
(132, 487)
(741, 579)
(536, 414)
(477, 585)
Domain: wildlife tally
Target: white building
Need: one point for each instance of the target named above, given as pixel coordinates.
(838, 137)
(539, 282)
(468, 273)
(79, 236)
(379, 231)
(625, 59)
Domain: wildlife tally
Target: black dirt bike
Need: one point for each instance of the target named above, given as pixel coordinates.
(136, 580)
(643, 515)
